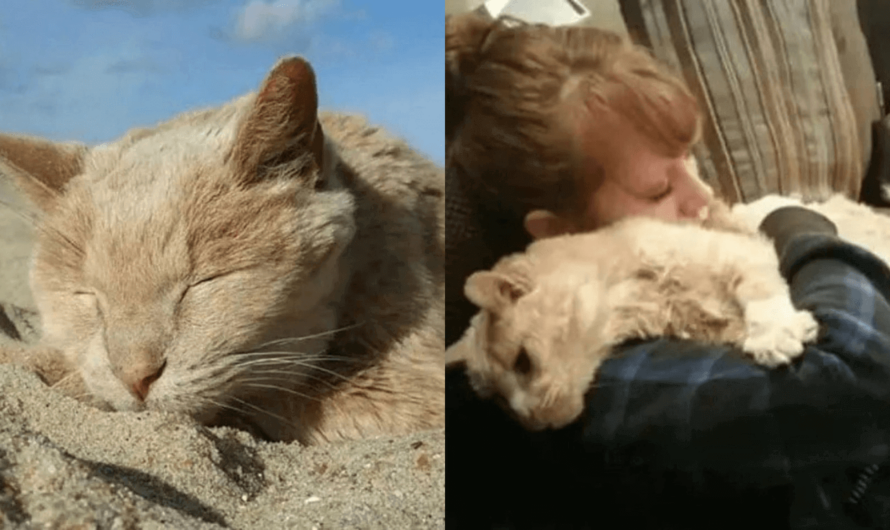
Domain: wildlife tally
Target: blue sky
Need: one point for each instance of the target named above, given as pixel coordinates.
(89, 70)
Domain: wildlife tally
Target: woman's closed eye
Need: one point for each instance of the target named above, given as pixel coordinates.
(660, 194)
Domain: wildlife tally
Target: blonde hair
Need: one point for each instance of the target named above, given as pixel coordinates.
(511, 125)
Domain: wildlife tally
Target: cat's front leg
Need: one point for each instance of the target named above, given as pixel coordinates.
(48, 363)
(776, 331)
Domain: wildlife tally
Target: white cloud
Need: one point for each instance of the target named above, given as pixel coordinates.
(141, 7)
(264, 21)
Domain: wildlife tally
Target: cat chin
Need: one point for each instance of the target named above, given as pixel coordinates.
(551, 421)
(556, 416)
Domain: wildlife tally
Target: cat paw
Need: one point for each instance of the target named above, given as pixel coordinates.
(777, 332)
(807, 326)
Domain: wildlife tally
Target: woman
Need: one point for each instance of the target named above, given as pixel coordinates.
(556, 130)
(562, 129)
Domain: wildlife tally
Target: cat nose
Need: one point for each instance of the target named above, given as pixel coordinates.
(139, 378)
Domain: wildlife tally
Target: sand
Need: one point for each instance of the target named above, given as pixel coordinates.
(66, 465)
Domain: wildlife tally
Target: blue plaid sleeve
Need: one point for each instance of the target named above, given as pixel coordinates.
(711, 410)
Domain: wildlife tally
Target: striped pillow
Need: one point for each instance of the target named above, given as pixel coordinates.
(779, 116)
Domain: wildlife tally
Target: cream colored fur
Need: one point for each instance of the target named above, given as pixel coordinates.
(254, 264)
(855, 222)
(551, 315)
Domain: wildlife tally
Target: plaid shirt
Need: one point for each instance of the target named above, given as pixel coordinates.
(712, 416)
(711, 412)
(831, 405)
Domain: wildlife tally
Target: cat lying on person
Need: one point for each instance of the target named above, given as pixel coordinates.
(551, 315)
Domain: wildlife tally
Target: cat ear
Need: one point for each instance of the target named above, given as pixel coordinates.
(464, 350)
(282, 126)
(493, 291)
(40, 168)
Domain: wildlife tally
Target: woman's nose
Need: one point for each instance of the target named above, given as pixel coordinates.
(695, 198)
(694, 207)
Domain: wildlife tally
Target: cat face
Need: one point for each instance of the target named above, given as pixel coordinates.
(194, 265)
(537, 342)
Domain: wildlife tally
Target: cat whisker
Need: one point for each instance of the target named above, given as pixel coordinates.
(270, 365)
(304, 360)
(285, 355)
(278, 375)
(82, 396)
(300, 361)
(291, 353)
(263, 411)
(63, 380)
(308, 337)
(223, 405)
(79, 396)
(282, 361)
(321, 354)
(252, 384)
(278, 367)
(295, 360)
(332, 373)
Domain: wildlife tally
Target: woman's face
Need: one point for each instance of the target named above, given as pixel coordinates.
(640, 180)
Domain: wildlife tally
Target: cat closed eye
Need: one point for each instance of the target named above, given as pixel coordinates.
(86, 296)
(207, 279)
(88, 300)
(196, 283)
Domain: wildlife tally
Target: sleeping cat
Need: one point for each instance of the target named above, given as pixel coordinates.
(256, 264)
(549, 316)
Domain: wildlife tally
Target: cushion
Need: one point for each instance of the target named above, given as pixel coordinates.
(476, 237)
(875, 21)
(857, 70)
(777, 98)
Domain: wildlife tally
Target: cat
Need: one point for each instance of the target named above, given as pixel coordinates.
(550, 316)
(259, 264)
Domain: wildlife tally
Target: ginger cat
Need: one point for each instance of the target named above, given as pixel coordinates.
(550, 316)
(256, 264)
